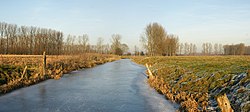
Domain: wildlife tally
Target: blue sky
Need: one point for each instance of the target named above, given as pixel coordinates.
(195, 21)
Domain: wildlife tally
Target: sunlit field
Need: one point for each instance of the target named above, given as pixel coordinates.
(196, 81)
(13, 74)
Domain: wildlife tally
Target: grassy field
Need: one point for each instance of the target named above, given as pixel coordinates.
(195, 82)
(13, 74)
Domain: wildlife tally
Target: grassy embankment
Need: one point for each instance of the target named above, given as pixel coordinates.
(13, 75)
(195, 82)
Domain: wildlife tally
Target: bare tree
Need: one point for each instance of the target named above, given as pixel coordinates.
(116, 44)
(247, 50)
(85, 40)
(99, 45)
(172, 44)
(124, 48)
(107, 49)
(157, 42)
(210, 48)
(241, 49)
(2, 38)
(216, 49)
(136, 51)
(154, 38)
(220, 49)
(194, 49)
(186, 48)
(181, 48)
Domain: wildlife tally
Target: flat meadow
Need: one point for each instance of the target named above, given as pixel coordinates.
(196, 81)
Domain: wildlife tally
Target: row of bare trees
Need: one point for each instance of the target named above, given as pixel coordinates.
(214, 49)
(237, 49)
(80, 45)
(210, 49)
(219, 49)
(156, 41)
(35, 40)
(187, 49)
(76, 44)
(29, 40)
(207, 49)
(247, 50)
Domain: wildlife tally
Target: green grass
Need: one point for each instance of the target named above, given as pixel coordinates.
(200, 73)
(198, 76)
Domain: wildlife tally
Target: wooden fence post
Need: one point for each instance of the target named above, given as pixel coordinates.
(150, 74)
(44, 63)
(24, 71)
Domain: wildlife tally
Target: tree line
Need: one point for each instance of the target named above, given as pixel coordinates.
(80, 45)
(34, 41)
(187, 49)
(237, 49)
(155, 40)
(29, 40)
(213, 49)
(210, 49)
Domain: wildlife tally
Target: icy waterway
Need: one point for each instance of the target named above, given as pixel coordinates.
(119, 86)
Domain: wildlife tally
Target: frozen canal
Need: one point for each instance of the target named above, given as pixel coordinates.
(118, 86)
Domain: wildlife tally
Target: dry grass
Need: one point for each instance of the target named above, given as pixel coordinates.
(191, 79)
(12, 68)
